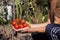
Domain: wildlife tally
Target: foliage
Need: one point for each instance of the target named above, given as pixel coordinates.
(34, 11)
(18, 8)
(2, 19)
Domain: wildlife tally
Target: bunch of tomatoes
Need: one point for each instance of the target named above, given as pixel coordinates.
(18, 24)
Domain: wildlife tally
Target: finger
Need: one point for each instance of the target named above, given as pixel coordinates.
(28, 24)
(24, 30)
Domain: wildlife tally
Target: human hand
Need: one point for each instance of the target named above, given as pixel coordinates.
(18, 24)
(24, 30)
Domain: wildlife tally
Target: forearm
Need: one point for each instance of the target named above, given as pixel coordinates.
(38, 27)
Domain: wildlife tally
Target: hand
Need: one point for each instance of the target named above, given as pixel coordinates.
(23, 30)
(18, 24)
(26, 29)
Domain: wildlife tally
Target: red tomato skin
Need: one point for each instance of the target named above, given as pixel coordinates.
(21, 26)
(13, 23)
(19, 21)
(25, 25)
(16, 26)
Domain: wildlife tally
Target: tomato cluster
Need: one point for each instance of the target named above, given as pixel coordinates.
(17, 23)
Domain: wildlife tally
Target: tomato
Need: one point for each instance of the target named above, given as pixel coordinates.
(25, 25)
(21, 26)
(16, 26)
(13, 23)
(19, 21)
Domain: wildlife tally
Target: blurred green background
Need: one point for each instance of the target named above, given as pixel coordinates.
(34, 11)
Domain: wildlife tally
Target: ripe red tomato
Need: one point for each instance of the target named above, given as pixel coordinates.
(13, 23)
(16, 26)
(25, 25)
(21, 26)
(19, 21)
